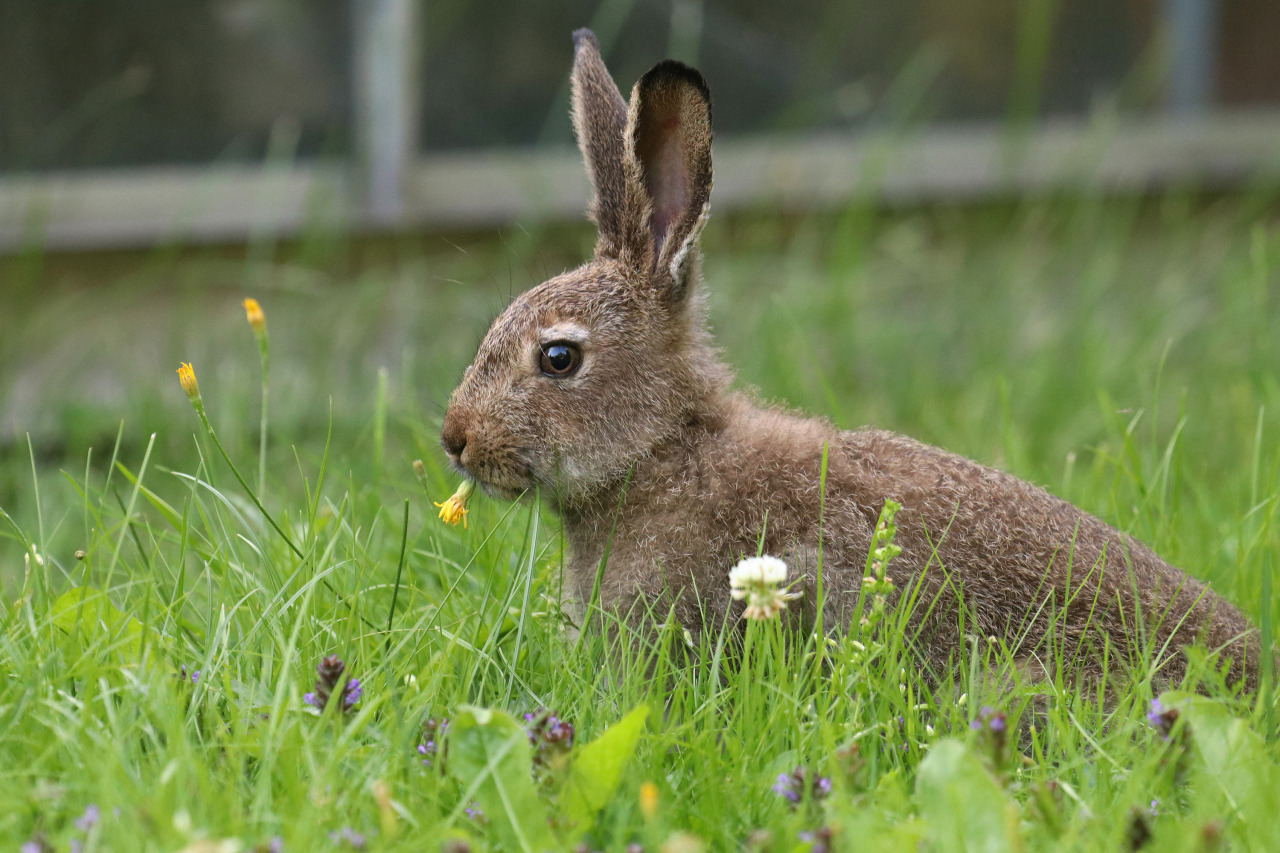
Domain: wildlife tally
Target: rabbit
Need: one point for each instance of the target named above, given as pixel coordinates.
(601, 391)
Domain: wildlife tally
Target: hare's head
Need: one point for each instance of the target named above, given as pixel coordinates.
(591, 370)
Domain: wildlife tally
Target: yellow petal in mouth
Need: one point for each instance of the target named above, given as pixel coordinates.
(454, 510)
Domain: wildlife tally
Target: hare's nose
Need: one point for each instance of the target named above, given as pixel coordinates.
(453, 437)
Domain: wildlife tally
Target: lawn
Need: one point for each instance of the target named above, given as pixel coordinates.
(167, 606)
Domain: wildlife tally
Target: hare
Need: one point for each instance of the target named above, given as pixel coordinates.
(601, 391)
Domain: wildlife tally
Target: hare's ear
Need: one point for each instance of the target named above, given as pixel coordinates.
(668, 157)
(599, 120)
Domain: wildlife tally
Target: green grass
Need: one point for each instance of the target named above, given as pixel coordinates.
(1125, 353)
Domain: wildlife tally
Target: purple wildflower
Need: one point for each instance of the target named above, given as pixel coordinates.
(550, 736)
(349, 837)
(77, 846)
(37, 844)
(92, 814)
(783, 788)
(351, 695)
(820, 838)
(331, 670)
(546, 728)
(433, 731)
(476, 813)
(991, 719)
(1161, 718)
(275, 845)
(992, 725)
(1154, 808)
(801, 783)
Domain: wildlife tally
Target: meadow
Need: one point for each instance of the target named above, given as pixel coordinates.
(168, 598)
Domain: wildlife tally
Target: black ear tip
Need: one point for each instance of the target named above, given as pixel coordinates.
(671, 71)
(582, 37)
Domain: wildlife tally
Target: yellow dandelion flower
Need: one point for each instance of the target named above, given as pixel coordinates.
(187, 376)
(257, 320)
(455, 508)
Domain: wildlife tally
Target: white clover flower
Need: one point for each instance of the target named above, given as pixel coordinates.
(756, 579)
(756, 571)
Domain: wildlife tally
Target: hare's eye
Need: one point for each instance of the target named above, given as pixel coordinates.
(560, 359)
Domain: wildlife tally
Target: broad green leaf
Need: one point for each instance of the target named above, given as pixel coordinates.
(88, 613)
(963, 807)
(597, 770)
(489, 754)
(1235, 759)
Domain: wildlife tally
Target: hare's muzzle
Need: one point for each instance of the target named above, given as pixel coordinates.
(454, 437)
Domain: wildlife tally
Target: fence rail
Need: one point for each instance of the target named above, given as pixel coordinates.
(488, 188)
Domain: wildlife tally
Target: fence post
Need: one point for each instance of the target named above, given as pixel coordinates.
(1192, 27)
(385, 92)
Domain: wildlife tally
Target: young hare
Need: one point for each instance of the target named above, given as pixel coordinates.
(601, 390)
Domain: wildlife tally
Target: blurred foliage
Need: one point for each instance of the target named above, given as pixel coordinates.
(137, 82)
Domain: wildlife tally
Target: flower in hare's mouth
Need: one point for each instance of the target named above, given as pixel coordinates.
(454, 510)
(756, 579)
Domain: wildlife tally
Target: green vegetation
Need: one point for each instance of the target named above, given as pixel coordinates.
(1123, 352)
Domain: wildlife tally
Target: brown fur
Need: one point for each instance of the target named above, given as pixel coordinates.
(646, 445)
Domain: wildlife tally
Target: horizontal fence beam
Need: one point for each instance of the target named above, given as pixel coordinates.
(480, 189)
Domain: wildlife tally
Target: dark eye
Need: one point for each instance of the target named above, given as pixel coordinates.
(560, 359)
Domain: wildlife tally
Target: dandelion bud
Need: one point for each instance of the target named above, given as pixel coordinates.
(454, 510)
(187, 377)
(257, 320)
(649, 800)
(420, 471)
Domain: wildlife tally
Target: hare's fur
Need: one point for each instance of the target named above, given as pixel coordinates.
(650, 457)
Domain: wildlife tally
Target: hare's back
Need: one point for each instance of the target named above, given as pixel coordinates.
(1002, 537)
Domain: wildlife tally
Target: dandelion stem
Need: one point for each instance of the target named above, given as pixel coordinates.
(258, 323)
(262, 425)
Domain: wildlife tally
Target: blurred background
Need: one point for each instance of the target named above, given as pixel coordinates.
(129, 122)
(999, 225)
